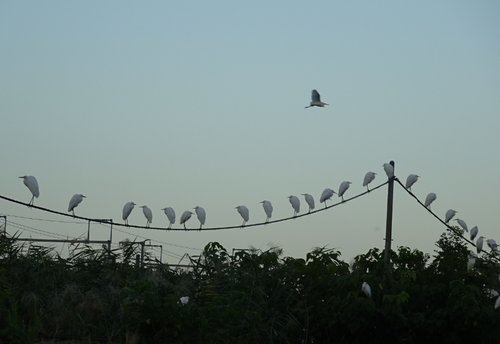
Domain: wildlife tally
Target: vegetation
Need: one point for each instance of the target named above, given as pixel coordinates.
(100, 296)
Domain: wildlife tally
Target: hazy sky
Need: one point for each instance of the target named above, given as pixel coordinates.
(194, 103)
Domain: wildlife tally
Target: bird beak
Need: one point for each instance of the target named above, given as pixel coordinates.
(84, 196)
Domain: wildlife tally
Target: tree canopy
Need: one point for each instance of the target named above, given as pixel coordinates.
(101, 296)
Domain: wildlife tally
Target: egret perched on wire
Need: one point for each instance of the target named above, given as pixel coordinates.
(389, 170)
(268, 209)
(295, 202)
(326, 195)
(127, 209)
(492, 244)
(32, 184)
(170, 215)
(184, 217)
(75, 200)
(316, 100)
(449, 215)
(245, 214)
(473, 232)
(343, 188)
(200, 213)
(429, 199)
(479, 244)
(369, 177)
(365, 288)
(309, 201)
(462, 224)
(412, 179)
(148, 214)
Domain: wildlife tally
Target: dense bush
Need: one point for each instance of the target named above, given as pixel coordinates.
(249, 297)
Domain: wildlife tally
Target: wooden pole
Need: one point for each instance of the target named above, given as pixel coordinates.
(388, 228)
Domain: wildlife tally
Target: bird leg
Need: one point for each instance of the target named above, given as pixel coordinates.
(185, 226)
(32, 200)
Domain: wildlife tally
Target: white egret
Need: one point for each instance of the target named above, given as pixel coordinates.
(493, 293)
(472, 254)
(184, 217)
(470, 263)
(492, 244)
(170, 215)
(497, 303)
(473, 232)
(75, 200)
(365, 288)
(316, 100)
(148, 214)
(462, 224)
(184, 300)
(200, 213)
(127, 209)
(326, 195)
(309, 201)
(369, 177)
(268, 209)
(449, 215)
(412, 179)
(429, 199)
(295, 202)
(479, 244)
(32, 184)
(245, 214)
(343, 188)
(389, 170)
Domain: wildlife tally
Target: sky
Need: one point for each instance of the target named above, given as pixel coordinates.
(186, 104)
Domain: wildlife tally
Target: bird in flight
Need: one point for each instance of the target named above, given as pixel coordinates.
(316, 100)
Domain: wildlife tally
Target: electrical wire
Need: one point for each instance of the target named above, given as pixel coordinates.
(202, 229)
(444, 223)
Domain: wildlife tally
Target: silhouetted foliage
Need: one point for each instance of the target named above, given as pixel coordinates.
(100, 295)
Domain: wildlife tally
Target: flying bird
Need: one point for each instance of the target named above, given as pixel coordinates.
(148, 214)
(295, 202)
(462, 224)
(200, 213)
(184, 217)
(244, 213)
(369, 177)
(127, 209)
(412, 179)
(75, 200)
(268, 209)
(309, 201)
(32, 184)
(326, 195)
(389, 170)
(343, 188)
(429, 199)
(479, 244)
(473, 232)
(365, 288)
(449, 215)
(170, 215)
(316, 100)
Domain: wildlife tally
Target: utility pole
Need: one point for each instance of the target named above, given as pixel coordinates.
(388, 227)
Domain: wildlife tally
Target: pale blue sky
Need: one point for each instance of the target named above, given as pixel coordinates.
(202, 103)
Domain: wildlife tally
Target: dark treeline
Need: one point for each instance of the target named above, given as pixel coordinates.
(100, 296)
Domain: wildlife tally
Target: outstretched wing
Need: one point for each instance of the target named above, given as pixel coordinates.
(315, 96)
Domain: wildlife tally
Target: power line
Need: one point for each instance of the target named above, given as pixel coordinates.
(192, 229)
(440, 220)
